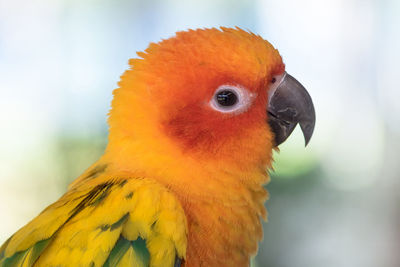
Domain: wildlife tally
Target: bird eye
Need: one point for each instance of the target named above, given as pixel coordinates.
(231, 99)
(226, 98)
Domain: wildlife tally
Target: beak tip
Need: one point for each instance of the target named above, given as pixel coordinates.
(306, 141)
(308, 131)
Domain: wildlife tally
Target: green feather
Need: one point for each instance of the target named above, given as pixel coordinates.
(15, 260)
(122, 246)
(119, 250)
(30, 255)
(139, 246)
(37, 250)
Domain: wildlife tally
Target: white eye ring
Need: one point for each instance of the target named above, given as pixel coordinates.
(233, 99)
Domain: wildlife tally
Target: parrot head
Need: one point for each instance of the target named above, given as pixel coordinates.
(210, 93)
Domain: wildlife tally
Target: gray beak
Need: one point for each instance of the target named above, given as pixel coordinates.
(289, 103)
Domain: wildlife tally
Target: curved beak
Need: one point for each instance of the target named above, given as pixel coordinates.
(290, 104)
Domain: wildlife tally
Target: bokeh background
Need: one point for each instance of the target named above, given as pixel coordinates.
(335, 203)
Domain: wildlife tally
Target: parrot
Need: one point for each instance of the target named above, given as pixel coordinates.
(193, 125)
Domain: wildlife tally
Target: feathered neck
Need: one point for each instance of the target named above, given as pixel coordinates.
(224, 203)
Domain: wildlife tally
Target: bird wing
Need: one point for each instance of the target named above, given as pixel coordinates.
(104, 221)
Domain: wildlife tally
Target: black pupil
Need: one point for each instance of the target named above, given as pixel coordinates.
(226, 98)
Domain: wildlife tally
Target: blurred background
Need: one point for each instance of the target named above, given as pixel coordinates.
(335, 203)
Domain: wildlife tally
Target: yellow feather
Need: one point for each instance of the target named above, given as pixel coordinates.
(85, 224)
